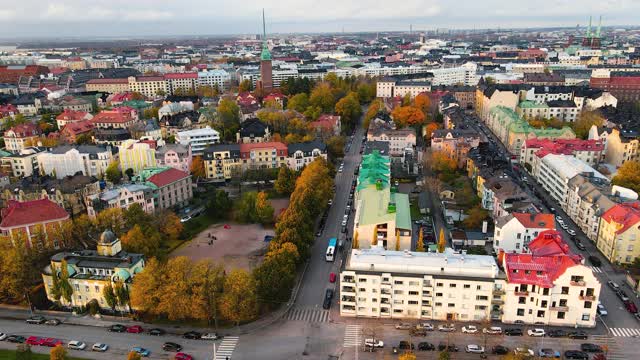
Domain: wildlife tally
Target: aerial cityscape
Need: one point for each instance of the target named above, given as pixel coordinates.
(427, 180)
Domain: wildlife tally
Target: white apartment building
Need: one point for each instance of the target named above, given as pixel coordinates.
(465, 74)
(148, 86)
(23, 163)
(389, 89)
(379, 283)
(214, 78)
(62, 161)
(555, 171)
(514, 232)
(550, 286)
(199, 139)
(121, 197)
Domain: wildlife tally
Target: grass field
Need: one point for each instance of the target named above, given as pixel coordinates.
(11, 355)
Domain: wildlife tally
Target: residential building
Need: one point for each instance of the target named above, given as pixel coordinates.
(269, 155)
(253, 131)
(149, 86)
(623, 85)
(186, 82)
(622, 146)
(21, 136)
(71, 116)
(171, 187)
(533, 150)
(555, 171)
(111, 86)
(222, 161)
(198, 139)
(543, 79)
(302, 154)
(67, 160)
(118, 118)
(550, 285)
(23, 163)
(137, 155)
(456, 143)
(177, 156)
(393, 88)
(465, 74)
(448, 286)
(10, 74)
(382, 214)
(327, 125)
(35, 222)
(90, 271)
(398, 139)
(216, 78)
(507, 96)
(514, 232)
(619, 232)
(121, 197)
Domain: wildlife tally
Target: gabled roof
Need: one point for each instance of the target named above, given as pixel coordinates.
(162, 176)
(536, 220)
(18, 214)
(625, 214)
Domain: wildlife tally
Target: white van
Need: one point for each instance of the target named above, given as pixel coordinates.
(76, 345)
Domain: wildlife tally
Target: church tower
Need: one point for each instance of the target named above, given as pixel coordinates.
(266, 70)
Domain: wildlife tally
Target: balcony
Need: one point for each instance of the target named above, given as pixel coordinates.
(348, 290)
(559, 308)
(497, 301)
(348, 299)
(577, 283)
(587, 297)
(498, 292)
(349, 279)
(521, 293)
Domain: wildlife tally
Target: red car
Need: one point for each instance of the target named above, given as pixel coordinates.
(631, 307)
(332, 277)
(51, 342)
(135, 329)
(34, 340)
(183, 356)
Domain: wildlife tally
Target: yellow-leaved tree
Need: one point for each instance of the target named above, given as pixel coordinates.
(441, 242)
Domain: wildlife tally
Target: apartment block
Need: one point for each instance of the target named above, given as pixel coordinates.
(619, 232)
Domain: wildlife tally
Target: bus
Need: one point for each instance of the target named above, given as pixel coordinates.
(331, 249)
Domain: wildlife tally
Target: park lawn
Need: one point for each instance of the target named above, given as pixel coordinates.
(415, 211)
(11, 355)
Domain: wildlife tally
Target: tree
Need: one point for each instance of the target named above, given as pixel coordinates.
(16, 269)
(122, 294)
(373, 110)
(197, 168)
(444, 355)
(228, 121)
(136, 241)
(113, 173)
(245, 85)
(298, 102)
(442, 243)
(134, 356)
(374, 239)
(54, 290)
(219, 205)
(430, 128)
(420, 244)
(239, 302)
(109, 296)
(275, 276)
(322, 97)
(442, 163)
(66, 291)
(147, 287)
(264, 210)
(475, 217)
(489, 80)
(335, 147)
(356, 244)
(59, 352)
(84, 139)
(349, 109)
(129, 173)
(397, 241)
(628, 176)
(246, 207)
(286, 181)
(171, 226)
(405, 116)
(407, 356)
(585, 121)
(151, 113)
(423, 102)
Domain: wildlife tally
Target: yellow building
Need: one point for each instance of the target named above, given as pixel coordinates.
(619, 232)
(108, 85)
(149, 86)
(89, 271)
(621, 148)
(136, 155)
(222, 161)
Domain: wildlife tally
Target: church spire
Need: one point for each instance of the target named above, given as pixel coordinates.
(599, 25)
(588, 29)
(265, 55)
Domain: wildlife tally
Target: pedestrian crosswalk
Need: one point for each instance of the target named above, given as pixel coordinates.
(226, 347)
(308, 314)
(610, 346)
(625, 332)
(352, 335)
(595, 269)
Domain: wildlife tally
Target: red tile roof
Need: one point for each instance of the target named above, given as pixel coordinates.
(25, 130)
(112, 116)
(18, 214)
(167, 177)
(72, 115)
(8, 109)
(536, 220)
(625, 214)
(192, 75)
(550, 257)
(149, 78)
(326, 121)
(77, 128)
(562, 146)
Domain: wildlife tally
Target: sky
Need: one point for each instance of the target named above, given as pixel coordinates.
(130, 18)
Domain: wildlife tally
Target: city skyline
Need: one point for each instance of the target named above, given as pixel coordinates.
(195, 17)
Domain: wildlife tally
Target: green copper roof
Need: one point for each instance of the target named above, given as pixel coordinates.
(507, 118)
(145, 174)
(531, 105)
(374, 167)
(265, 55)
(403, 211)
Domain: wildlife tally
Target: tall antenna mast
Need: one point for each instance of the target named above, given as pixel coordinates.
(264, 28)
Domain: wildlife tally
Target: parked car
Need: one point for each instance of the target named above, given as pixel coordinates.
(426, 346)
(580, 246)
(171, 346)
(447, 328)
(405, 345)
(51, 342)
(34, 340)
(332, 277)
(559, 218)
(513, 332)
(182, 356)
(117, 328)
(469, 329)
(564, 226)
(474, 349)
(418, 332)
(595, 261)
(156, 332)
(328, 296)
(592, 348)
(425, 326)
(52, 322)
(100, 347)
(135, 329)
(631, 306)
(612, 284)
(37, 319)
(494, 330)
(523, 351)
(403, 326)
(500, 350)
(536, 332)
(16, 339)
(602, 311)
(622, 295)
(451, 347)
(374, 343)
(578, 335)
(210, 336)
(548, 353)
(3, 336)
(571, 232)
(555, 333)
(576, 354)
(192, 335)
(637, 316)
(142, 351)
(76, 345)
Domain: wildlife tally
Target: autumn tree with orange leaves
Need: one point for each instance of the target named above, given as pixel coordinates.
(405, 116)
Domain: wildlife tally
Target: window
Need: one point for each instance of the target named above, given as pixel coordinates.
(451, 305)
(413, 302)
(543, 303)
(439, 284)
(398, 282)
(438, 294)
(561, 315)
(585, 317)
(362, 280)
(482, 297)
(398, 292)
(413, 293)
(520, 312)
(522, 300)
(587, 304)
(452, 285)
(479, 287)
(467, 286)
(540, 313)
(438, 304)
(565, 290)
(545, 291)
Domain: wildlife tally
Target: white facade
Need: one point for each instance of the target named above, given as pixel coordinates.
(214, 78)
(199, 139)
(465, 74)
(68, 161)
(379, 283)
(512, 236)
(555, 171)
